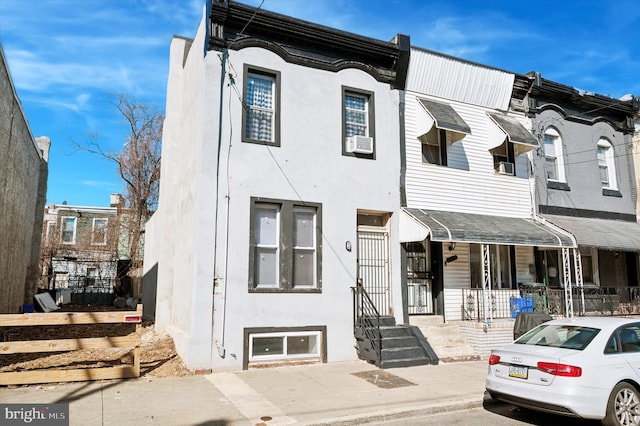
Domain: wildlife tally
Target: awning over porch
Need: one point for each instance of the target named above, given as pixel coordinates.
(605, 234)
(417, 224)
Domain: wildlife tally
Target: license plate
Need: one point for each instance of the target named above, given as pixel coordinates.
(518, 371)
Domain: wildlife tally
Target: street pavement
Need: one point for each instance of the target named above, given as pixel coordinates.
(340, 393)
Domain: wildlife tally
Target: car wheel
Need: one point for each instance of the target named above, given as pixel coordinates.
(623, 407)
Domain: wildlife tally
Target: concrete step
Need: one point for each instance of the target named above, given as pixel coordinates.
(396, 331)
(403, 353)
(407, 362)
(448, 342)
(400, 342)
(426, 320)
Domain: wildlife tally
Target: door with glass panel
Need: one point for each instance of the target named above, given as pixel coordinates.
(373, 259)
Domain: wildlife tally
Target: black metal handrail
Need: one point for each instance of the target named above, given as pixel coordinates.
(367, 318)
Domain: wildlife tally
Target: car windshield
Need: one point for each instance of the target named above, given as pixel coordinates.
(559, 336)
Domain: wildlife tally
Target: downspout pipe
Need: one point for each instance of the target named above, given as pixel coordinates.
(219, 342)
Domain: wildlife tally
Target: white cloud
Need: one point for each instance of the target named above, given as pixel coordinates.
(101, 184)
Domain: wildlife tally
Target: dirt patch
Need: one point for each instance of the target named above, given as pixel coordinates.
(158, 357)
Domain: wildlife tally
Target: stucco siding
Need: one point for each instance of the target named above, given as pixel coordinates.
(23, 186)
(201, 234)
(579, 143)
(308, 166)
(184, 250)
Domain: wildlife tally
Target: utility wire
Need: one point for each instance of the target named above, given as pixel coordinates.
(241, 33)
(232, 83)
(569, 163)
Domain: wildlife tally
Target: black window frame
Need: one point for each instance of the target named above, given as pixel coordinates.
(247, 332)
(251, 69)
(285, 247)
(371, 125)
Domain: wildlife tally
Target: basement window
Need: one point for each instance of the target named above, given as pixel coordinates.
(268, 346)
(277, 346)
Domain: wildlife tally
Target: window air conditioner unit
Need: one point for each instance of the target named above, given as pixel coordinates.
(360, 144)
(505, 168)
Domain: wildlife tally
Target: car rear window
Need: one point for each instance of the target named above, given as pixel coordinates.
(559, 336)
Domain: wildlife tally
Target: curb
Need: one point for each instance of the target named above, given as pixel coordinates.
(400, 413)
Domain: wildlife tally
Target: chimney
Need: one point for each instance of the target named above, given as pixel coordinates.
(116, 200)
(44, 143)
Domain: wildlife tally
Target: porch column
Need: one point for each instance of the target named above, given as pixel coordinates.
(566, 277)
(577, 261)
(486, 284)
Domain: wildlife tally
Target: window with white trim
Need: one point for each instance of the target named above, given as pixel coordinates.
(68, 229)
(554, 163)
(358, 118)
(49, 235)
(356, 112)
(266, 242)
(285, 345)
(92, 274)
(285, 249)
(606, 164)
(304, 246)
(99, 231)
(261, 122)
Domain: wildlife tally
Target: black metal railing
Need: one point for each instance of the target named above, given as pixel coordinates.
(478, 305)
(366, 318)
(597, 300)
(82, 289)
(506, 303)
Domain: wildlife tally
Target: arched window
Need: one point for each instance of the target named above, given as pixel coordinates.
(554, 160)
(606, 164)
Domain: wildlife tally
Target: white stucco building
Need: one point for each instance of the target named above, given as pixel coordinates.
(279, 191)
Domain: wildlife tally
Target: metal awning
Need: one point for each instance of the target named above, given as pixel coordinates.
(509, 129)
(605, 234)
(442, 116)
(481, 229)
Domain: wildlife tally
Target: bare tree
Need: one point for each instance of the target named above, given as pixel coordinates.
(138, 163)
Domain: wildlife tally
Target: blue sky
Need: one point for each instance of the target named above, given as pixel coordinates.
(70, 59)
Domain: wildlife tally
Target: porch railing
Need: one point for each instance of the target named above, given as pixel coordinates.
(475, 308)
(506, 303)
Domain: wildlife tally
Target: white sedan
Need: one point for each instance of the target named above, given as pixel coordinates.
(586, 367)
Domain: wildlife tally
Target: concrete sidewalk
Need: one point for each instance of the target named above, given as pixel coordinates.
(335, 393)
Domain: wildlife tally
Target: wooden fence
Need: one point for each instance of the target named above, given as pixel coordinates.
(131, 342)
